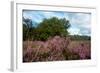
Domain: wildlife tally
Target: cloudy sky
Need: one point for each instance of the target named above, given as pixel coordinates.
(80, 22)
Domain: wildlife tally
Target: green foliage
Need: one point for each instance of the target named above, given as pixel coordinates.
(52, 27)
(47, 28)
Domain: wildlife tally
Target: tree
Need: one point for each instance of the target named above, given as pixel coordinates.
(27, 29)
(52, 27)
(47, 28)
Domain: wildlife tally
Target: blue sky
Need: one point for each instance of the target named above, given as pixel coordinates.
(80, 22)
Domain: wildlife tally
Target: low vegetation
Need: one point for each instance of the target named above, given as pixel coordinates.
(50, 41)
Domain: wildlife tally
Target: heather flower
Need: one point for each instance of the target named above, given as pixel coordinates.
(54, 49)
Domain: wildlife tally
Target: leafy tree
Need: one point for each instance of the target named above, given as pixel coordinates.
(52, 27)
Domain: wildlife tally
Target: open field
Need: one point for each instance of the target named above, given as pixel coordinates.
(56, 49)
(50, 36)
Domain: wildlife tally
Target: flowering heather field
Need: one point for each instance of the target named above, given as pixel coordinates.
(56, 49)
(56, 35)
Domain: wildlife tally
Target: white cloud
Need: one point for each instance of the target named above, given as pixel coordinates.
(82, 21)
(74, 31)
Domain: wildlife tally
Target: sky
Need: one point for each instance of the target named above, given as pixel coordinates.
(80, 22)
